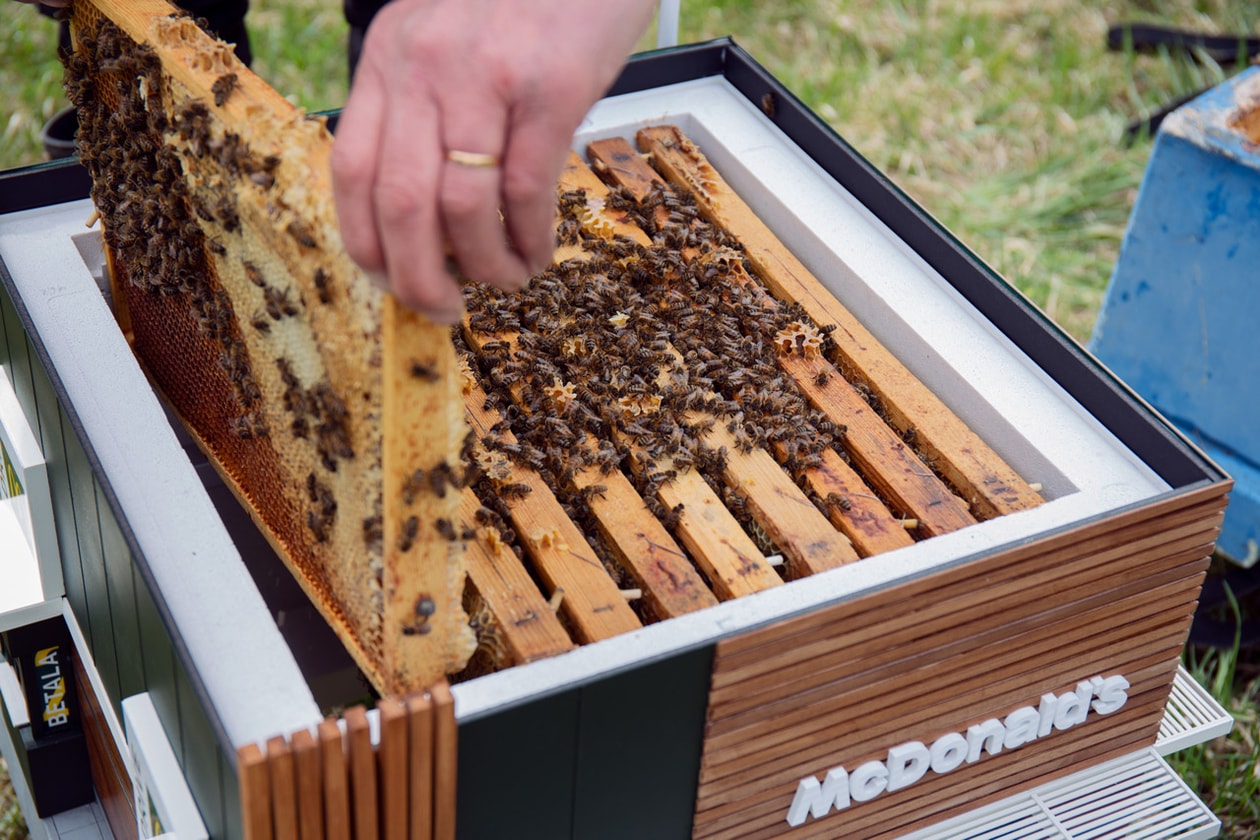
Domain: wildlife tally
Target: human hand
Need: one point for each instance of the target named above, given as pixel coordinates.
(507, 81)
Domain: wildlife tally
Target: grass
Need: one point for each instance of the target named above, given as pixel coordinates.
(1001, 117)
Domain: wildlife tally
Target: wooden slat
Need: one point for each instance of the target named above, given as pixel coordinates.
(807, 537)
(308, 772)
(255, 783)
(1201, 516)
(525, 625)
(857, 512)
(392, 756)
(728, 556)
(733, 563)
(1081, 585)
(796, 698)
(445, 761)
(421, 731)
(111, 777)
(1037, 638)
(642, 546)
(591, 603)
(863, 516)
(422, 429)
(990, 485)
(890, 466)
(335, 775)
(1082, 592)
(792, 521)
(363, 783)
(749, 769)
(284, 804)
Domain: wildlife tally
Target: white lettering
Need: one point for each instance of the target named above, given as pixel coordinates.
(1073, 707)
(1021, 727)
(907, 764)
(816, 799)
(868, 781)
(1046, 710)
(987, 735)
(948, 752)
(1112, 695)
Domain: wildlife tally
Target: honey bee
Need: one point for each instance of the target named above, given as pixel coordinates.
(514, 491)
(424, 370)
(408, 536)
(301, 233)
(278, 303)
(446, 529)
(321, 285)
(373, 532)
(839, 501)
(425, 608)
(255, 276)
(223, 87)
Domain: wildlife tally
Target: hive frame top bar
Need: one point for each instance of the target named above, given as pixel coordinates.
(1149, 458)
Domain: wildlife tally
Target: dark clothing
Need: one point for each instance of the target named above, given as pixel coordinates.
(224, 18)
(359, 14)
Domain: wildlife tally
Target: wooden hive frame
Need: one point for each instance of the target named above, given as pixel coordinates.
(314, 395)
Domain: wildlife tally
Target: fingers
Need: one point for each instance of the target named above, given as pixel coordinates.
(354, 166)
(471, 192)
(534, 157)
(409, 175)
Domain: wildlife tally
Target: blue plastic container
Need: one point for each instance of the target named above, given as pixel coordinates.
(1182, 313)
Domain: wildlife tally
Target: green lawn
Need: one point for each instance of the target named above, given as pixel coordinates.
(1001, 117)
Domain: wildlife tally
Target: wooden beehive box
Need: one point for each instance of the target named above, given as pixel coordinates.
(1018, 637)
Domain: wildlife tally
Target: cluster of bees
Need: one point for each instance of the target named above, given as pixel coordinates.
(132, 150)
(138, 183)
(633, 351)
(627, 354)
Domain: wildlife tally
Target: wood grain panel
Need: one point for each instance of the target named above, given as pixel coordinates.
(933, 656)
(335, 783)
(110, 775)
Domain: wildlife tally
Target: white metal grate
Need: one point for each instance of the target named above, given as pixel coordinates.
(1135, 797)
(1191, 717)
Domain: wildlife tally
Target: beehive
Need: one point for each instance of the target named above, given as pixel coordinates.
(659, 421)
(1019, 616)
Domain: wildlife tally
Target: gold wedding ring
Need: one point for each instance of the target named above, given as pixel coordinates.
(473, 160)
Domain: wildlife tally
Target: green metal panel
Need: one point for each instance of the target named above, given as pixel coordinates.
(229, 783)
(640, 738)
(159, 666)
(128, 641)
(201, 754)
(97, 623)
(122, 600)
(516, 771)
